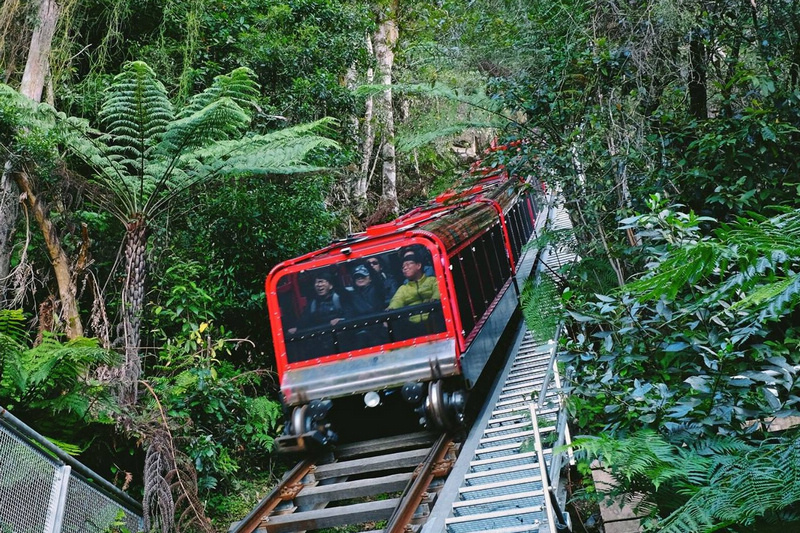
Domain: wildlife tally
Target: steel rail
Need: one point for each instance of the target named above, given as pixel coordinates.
(268, 504)
(358, 474)
(434, 466)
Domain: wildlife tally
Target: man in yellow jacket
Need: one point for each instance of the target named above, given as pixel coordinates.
(419, 289)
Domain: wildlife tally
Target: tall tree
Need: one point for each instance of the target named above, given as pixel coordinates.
(361, 182)
(149, 156)
(34, 79)
(385, 40)
(33, 121)
(37, 68)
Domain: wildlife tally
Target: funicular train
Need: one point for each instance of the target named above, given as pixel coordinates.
(405, 313)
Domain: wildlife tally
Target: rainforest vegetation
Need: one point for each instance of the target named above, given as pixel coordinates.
(159, 158)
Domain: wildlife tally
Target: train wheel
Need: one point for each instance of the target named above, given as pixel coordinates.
(443, 409)
(300, 424)
(307, 428)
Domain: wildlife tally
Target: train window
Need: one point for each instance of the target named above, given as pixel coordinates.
(474, 277)
(360, 303)
(513, 234)
(464, 304)
(528, 204)
(488, 266)
(525, 219)
(499, 263)
(519, 215)
(498, 257)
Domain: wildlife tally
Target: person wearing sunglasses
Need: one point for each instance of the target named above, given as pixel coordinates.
(389, 283)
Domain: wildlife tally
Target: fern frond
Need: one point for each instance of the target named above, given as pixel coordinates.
(219, 120)
(12, 324)
(485, 111)
(135, 113)
(768, 236)
(136, 106)
(280, 152)
(741, 488)
(407, 142)
(777, 296)
(683, 266)
(239, 86)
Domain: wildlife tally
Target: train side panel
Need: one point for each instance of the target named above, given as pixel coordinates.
(486, 280)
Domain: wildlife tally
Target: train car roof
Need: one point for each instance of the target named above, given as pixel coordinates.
(473, 205)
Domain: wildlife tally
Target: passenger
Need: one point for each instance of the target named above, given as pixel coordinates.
(366, 296)
(420, 253)
(364, 299)
(325, 308)
(419, 289)
(389, 283)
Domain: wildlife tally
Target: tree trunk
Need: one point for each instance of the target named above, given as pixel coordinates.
(33, 81)
(9, 211)
(37, 68)
(361, 182)
(66, 285)
(385, 40)
(133, 302)
(698, 93)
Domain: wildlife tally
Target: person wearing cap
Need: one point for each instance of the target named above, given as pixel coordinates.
(326, 307)
(366, 295)
(419, 289)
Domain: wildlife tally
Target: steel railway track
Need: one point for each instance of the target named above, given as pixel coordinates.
(386, 481)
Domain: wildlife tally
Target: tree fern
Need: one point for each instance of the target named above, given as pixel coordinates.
(723, 481)
(148, 156)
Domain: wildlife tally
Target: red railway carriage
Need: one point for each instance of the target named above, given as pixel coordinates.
(414, 306)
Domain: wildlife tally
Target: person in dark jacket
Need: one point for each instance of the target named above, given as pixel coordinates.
(326, 307)
(366, 295)
(364, 298)
(388, 281)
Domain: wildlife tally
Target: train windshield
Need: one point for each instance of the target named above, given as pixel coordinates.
(360, 303)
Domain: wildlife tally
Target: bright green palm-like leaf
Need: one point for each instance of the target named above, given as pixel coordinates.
(239, 86)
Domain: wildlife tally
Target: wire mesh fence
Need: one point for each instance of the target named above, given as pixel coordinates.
(41, 492)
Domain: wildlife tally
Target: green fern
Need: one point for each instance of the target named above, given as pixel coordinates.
(240, 86)
(484, 112)
(12, 324)
(53, 375)
(718, 481)
(541, 306)
(756, 258)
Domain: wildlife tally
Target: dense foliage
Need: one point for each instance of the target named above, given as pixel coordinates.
(668, 127)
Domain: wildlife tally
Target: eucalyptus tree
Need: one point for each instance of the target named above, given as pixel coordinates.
(148, 155)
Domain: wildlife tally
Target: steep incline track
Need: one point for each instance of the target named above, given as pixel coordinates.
(385, 480)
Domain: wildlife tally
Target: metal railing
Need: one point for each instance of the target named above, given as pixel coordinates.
(42, 489)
